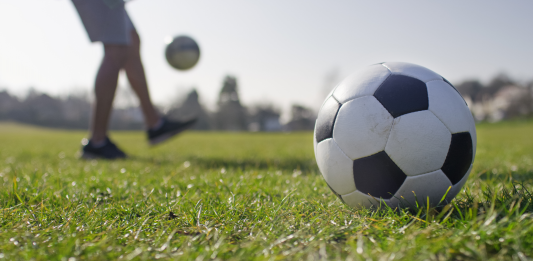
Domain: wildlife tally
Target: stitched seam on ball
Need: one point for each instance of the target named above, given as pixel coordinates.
(379, 200)
(381, 84)
(355, 98)
(335, 118)
(388, 137)
(390, 73)
(412, 76)
(332, 95)
(386, 67)
(448, 128)
(426, 173)
(436, 80)
(335, 98)
(368, 195)
(350, 192)
(343, 153)
(453, 87)
(385, 150)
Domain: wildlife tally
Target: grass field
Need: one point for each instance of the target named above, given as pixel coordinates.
(245, 196)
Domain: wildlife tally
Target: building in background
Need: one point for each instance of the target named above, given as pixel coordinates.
(191, 108)
(264, 118)
(302, 119)
(8, 104)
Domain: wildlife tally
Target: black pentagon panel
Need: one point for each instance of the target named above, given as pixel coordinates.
(449, 83)
(326, 119)
(336, 194)
(377, 175)
(459, 157)
(401, 94)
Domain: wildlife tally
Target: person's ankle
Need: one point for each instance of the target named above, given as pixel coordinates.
(158, 125)
(98, 143)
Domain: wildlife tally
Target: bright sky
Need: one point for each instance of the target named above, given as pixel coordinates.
(280, 50)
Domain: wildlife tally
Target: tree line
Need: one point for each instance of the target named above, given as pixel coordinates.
(501, 98)
(74, 112)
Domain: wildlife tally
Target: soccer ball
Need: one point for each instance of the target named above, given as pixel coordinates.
(182, 53)
(396, 134)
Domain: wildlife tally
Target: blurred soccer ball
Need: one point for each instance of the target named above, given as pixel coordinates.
(396, 134)
(182, 53)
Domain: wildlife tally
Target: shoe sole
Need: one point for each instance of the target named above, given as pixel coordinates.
(169, 135)
(89, 156)
(92, 156)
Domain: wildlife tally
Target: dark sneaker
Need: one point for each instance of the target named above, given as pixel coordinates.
(168, 129)
(108, 151)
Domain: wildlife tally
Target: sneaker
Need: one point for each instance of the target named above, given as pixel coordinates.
(108, 151)
(168, 129)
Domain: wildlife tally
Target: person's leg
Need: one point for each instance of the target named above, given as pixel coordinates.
(104, 88)
(135, 72)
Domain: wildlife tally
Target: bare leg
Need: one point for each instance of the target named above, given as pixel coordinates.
(105, 87)
(135, 72)
(119, 57)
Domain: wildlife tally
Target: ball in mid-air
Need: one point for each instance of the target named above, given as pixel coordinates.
(182, 53)
(395, 133)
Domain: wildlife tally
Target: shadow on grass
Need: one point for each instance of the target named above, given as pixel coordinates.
(511, 199)
(290, 164)
(284, 164)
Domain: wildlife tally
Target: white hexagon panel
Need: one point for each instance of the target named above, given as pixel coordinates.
(419, 189)
(362, 83)
(335, 166)
(315, 143)
(362, 127)
(448, 105)
(359, 200)
(418, 143)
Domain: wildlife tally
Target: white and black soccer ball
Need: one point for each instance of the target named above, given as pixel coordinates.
(182, 52)
(395, 133)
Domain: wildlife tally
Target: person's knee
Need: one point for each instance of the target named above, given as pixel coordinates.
(135, 47)
(116, 54)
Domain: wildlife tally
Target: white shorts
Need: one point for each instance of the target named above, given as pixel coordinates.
(106, 21)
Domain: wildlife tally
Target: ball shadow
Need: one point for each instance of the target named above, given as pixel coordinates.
(284, 164)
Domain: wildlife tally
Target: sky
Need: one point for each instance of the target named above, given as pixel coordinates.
(281, 51)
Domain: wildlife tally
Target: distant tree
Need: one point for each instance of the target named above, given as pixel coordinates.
(231, 115)
(478, 92)
(472, 89)
(529, 87)
(519, 105)
(502, 98)
(499, 82)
